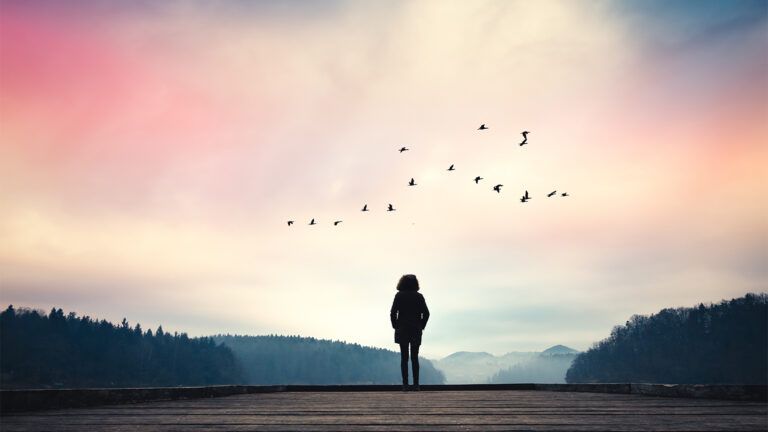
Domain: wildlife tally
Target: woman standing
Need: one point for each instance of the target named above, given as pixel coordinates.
(409, 315)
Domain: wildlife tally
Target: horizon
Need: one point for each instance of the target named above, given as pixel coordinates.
(434, 357)
(153, 153)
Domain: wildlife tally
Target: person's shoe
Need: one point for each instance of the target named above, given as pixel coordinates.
(416, 387)
(405, 387)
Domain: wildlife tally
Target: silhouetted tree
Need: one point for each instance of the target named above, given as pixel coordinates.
(708, 344)
(52, 350)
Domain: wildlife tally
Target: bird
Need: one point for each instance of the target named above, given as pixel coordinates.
(336, 223)
(525, 197)
(390, 208)
(312, 222)
(450, 168)
(412, 182)
(365, 208)
(290, 223)
(497, 188)
(525, 138)
(564, 194)
(477, 179)
(402, 149)
(482, 127)
(551, 193)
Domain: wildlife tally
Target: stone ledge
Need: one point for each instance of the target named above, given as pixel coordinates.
(740, 392)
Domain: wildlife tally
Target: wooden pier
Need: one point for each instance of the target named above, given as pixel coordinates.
(449, 410)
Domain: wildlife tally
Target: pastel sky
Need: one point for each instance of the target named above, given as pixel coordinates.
(152, 152)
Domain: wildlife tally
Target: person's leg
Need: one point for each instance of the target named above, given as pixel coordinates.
(415, 363)
(404, 362)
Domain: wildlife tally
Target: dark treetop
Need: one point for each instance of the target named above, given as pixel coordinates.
(725, 343)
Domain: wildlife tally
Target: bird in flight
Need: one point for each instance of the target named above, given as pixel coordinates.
(390, 208)
(402, 149)
(477, 179)
(482, 127)
(450, 168)
(412, 182)
(336, 223)
(551, 193)
(497, 188)
(525, 138)
(290, 223)
(312, 222)
(564, 194)
(365, 208)
(525, 197)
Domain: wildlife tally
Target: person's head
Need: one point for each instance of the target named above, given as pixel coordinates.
(408, 283)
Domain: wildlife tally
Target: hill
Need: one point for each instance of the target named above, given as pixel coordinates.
(305, 360)
(707, 344)
(559, 350)
(549, 367)
(54, 350)
(465, 367)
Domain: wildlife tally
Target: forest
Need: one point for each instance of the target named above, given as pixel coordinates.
(54, 350)
(303, 360)
(724, 343)
(67, 351)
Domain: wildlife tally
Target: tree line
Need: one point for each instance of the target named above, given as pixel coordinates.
(57, 350)
(305, 360)
(725, 343)
(54, 350)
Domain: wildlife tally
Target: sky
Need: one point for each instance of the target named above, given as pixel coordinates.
(152, 152)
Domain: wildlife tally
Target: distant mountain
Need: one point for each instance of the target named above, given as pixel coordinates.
(725, 343)
(468, 356)
(559, 349)
(465, 367)
(550, 367)
(306, 360)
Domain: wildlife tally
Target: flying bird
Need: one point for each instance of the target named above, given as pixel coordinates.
(336, 223)
(525, 138)
(525, 197)
(390, 208)
(365, 208)
(564, 194)
(450, 168)
(412, 182)
(551, 193)
(497, 188)
(312, 222)
(402, 149)
(477, 179)
(290, 223)
(482, 127)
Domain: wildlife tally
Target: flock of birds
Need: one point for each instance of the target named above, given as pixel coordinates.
(412, 182)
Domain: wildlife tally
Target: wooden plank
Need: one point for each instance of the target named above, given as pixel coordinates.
(382, 411)
(29, 400)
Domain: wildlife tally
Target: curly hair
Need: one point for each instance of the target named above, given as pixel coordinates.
(408, 283)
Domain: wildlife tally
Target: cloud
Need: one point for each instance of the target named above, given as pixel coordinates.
(169, 168)
(686, 24)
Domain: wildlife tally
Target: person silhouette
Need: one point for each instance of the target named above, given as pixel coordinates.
(409, 316)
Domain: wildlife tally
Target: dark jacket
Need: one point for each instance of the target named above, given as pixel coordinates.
(409, 311)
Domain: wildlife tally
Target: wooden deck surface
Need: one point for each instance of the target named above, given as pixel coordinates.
(397, 411)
